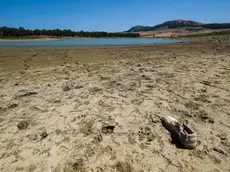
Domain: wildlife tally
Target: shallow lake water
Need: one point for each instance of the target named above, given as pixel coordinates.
(90, 42)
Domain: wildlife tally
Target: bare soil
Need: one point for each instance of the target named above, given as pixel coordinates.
(97, 109)
(166, 33)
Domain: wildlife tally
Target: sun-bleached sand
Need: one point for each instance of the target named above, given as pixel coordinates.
(97, 109)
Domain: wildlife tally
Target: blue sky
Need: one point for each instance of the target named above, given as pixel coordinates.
(108, 15)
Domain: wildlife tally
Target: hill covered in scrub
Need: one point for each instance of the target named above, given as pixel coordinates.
(175, 24)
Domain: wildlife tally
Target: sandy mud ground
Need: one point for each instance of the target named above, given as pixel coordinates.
(96, 109)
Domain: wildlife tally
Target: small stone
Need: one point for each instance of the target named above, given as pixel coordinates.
(14, 105)
(66, 88)
(23, 125)
(43, 135)
(211, 120)
(78, 87)
(58, 131)
(107, 129)
(203, 52)
(104, 78)
(98, 138)
(145, 77)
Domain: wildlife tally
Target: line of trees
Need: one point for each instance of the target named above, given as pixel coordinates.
(21, 32)
(217, 26)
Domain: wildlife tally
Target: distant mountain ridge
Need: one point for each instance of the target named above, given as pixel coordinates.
(173, 24)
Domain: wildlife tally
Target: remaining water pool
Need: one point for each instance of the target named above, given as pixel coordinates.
(90, 42)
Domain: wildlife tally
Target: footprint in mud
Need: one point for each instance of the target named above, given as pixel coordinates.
(95, 90)
(105, 106)
(146, 134)
(204, 116)
(98, 169)
(98, 139)
(78, 165)
(192, 105)
(123, 167)
(202, 98)
(87, 128)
